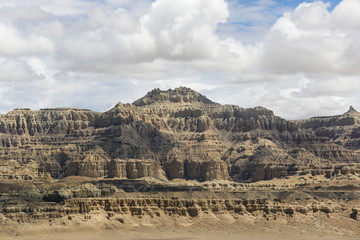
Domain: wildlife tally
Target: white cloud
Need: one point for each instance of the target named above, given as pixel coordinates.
(336, 87)
(29, 13)
(14, 70)
(181, 31)
(13, 43)
(95, 53)
(347, 15)
(185, 29)
(313, 40)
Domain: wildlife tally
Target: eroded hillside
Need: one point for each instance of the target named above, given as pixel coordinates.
(175, 134)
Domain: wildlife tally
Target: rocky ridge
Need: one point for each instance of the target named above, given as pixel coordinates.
(176, 134)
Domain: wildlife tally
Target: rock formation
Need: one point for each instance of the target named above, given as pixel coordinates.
(66, 201)
(176, 134)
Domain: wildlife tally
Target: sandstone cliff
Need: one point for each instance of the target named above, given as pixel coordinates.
(175, 134)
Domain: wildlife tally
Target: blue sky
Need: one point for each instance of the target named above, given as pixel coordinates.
(258, 17)
(297, 59)
(293, 3)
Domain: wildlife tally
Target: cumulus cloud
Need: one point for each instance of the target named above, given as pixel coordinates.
(13, 43)
(311, 39)
(14, 70)
(185, 29)
(261, 52)
(181, 31)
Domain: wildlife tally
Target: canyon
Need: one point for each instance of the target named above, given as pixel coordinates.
(175, 156)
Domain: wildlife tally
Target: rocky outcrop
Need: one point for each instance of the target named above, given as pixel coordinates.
(91, 163)
(157, 207)
(11, 169)
(134, 168)
(175, 134)
(340, 129)
(355, 213)
(46, 121)
(178, 95)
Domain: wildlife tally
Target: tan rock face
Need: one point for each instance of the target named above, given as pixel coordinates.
(176, 134)
(134, 168)
(157, 207)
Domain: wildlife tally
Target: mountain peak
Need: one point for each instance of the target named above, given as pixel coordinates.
(351, 110)
(177, 95)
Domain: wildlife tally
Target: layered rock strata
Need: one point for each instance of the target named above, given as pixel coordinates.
(234, 204)
(176, 134)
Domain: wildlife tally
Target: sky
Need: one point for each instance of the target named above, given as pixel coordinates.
(299, 59)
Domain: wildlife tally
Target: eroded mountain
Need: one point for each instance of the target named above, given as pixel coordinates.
(175, 134)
